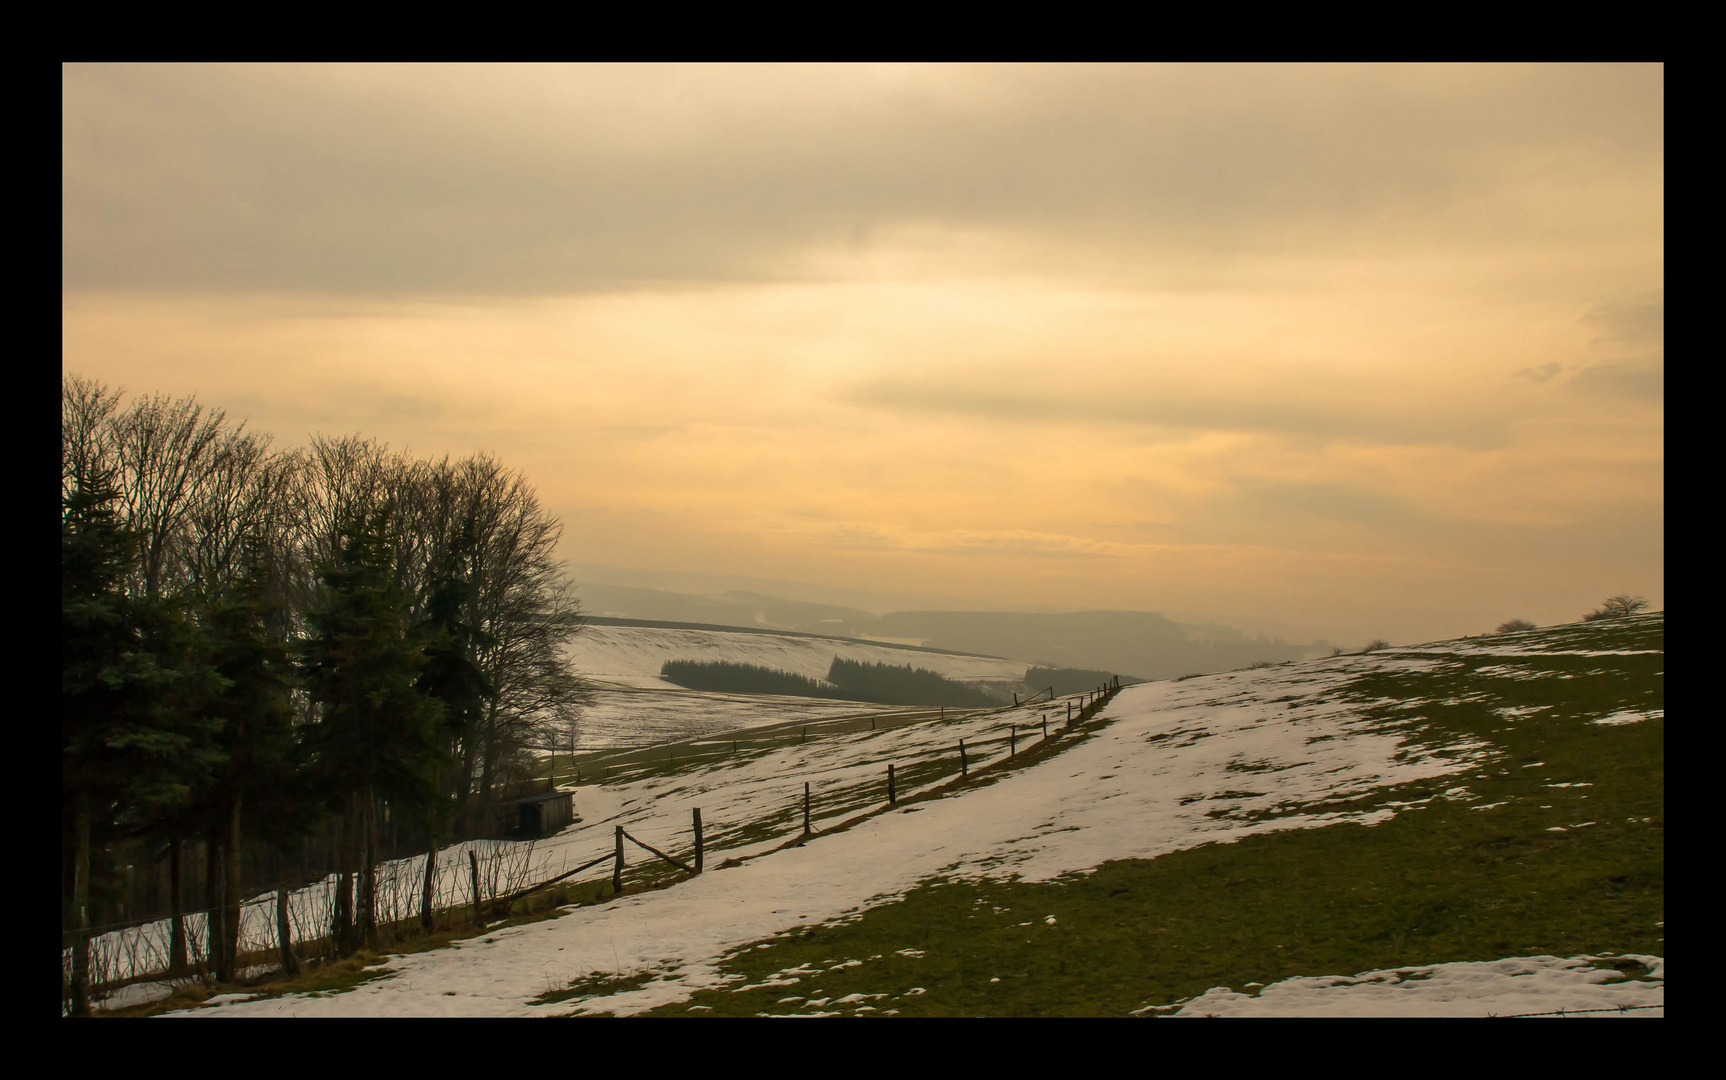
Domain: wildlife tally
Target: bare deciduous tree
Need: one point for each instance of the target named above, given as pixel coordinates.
(87, 411)
(1617, 607)
(166, 452)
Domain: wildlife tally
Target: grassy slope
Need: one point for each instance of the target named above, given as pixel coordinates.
(1441, 881)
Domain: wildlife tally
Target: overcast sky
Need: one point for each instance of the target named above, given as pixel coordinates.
(1373, 350)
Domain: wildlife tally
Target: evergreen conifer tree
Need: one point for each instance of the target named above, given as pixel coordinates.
(453, 678)
(377, 735)
(254, 714)
(127, 667)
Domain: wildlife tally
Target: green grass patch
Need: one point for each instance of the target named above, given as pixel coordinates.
(597, 984)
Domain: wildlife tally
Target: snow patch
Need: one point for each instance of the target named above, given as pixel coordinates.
(1524, 985)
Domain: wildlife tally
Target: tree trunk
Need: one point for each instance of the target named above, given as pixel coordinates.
(177, 906)
(341, 912)
(487, 774)
(285, 933)
(427, 891)
(231, 894)
(369, 879)
(215, 909)
(81, 908)
(464, 793)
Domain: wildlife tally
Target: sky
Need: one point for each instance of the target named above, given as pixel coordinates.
(1373, 350)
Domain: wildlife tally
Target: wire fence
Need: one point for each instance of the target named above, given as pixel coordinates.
(1576, 1012)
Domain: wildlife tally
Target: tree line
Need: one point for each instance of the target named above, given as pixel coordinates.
(294, 662)
(727, 677)
(890, 684)
(847, 680)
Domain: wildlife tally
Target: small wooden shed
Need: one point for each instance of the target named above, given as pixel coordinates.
(542, 814)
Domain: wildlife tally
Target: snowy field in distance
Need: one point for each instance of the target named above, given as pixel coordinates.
(633, 655)
(627, 716)
(633, 706)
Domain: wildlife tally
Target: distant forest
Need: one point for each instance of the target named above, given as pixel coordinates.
(891, 685)
(724, 677)
(1068, 680)
(849, 680)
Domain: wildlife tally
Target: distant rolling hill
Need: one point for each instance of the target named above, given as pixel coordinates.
(1142, 644)
(632, 653)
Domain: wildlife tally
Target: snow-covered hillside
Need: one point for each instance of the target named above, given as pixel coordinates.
(1161, 770)
(633, 655)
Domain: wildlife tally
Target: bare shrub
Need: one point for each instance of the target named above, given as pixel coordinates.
(1515, 626)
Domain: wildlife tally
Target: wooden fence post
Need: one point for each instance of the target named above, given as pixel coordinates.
(698, 847)
(805, 808)
(1045, 725)
(617, 864)
(892, 793)
(964, 766)
(1013, 742)
(473, 881)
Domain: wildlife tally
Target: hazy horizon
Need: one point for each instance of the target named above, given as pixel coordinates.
(885, 603)
(1372, 350)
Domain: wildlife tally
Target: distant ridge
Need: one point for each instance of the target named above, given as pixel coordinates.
(604, 620)
(1145, 643)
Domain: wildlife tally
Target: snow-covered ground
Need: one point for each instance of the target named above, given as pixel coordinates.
(1177, 764)
(631, 707)
(1519, 986)
(1157, 778)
